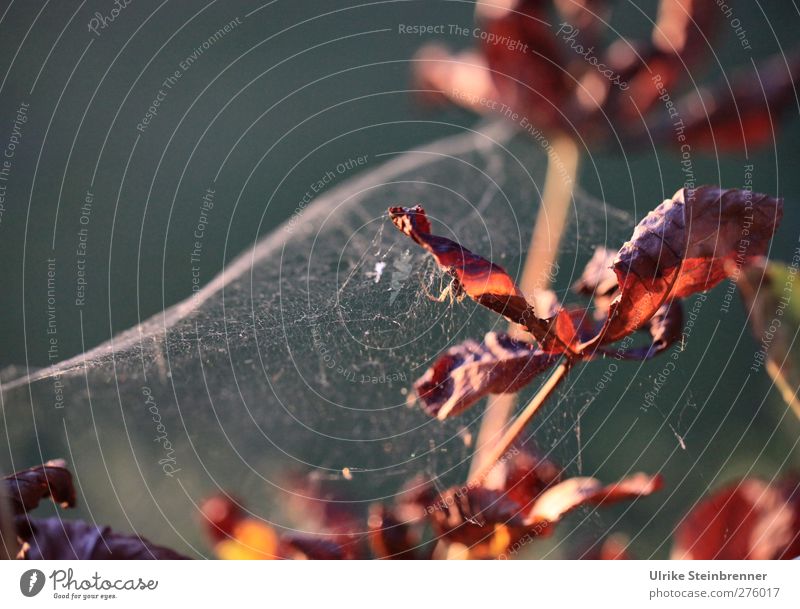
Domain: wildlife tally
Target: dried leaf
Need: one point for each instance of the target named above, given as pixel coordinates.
(750, 520)
(665, 329)
(461, 78)
(57, 539)
(470, 371)
(683, 247)
(528, 475)
(483, 281)
(598, 278)
(769, 291)
(27, 488)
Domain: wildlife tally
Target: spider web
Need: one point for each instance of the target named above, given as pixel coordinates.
(296, 361)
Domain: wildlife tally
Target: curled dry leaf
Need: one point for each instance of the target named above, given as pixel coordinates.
(683, 246)
(532, 499)
(391, 538)
(310, 547)
(469, 371)
(557, 74)
(557, 501)
(25, 489)
(599, 281)
(484, 521)
(749, 520)
(665, 329)
(598, 278)
(58, 539)
(485, 282)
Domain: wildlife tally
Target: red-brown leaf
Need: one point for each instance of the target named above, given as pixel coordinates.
(472, 515)
(751, 520)
(27, 488)
(528, 475)
(470, 371)
(391, 538)
(683, 247)
(684, 27)
(485, 282)
(566, 496)
(57, 539)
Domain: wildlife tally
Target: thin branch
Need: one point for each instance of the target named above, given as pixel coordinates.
(511, 434)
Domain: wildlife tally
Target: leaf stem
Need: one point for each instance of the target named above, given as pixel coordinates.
(537, 274)
(515, 429)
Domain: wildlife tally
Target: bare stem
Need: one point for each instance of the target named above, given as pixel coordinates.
(537, 274)
(787, 391)
(511, 434)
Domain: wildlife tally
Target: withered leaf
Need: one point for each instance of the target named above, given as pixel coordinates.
(739, 113)
(488, 521)
(598, 277)
(565, 496)
(679, 42)
(389, 537)
(683, 247)
(684, 27)
(749, 520)
(470, 371)
(599, 281)
(528, 475)
(485, 282)
(57, 539)
(529, 76)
